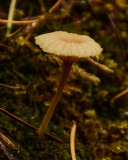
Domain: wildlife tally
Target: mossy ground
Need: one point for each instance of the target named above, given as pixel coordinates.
(101, 125)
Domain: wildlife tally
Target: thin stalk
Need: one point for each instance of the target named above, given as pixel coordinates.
(18, 22)
(55, 6)
(10, 15)
(56, 98)
(11, 87)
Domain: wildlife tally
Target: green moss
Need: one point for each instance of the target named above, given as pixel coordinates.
(101, 125)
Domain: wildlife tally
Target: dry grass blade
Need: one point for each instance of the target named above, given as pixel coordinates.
(72, 141)
(18, 22)
(8, 143)
(11, 87)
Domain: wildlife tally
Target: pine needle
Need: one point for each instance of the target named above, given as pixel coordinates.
(55, 6)
(72, 141)
(119, 95)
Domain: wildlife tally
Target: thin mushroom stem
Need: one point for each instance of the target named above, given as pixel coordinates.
(56, 98)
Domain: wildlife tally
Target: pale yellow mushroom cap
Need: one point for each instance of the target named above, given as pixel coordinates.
(68, 44)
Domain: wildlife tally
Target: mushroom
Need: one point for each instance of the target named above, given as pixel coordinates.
(69, 47)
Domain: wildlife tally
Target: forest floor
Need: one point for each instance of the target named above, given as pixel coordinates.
(29, 79)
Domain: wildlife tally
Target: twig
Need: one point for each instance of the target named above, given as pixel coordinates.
(14, 33)
(11, 87)
(55, 6)
(10, 15)
(100, 66)
(82, 20)
(29, 125)
(72, 141)
(50, 16)
(18, 22)
(7, 142)
(119, 95)
(18, 119)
